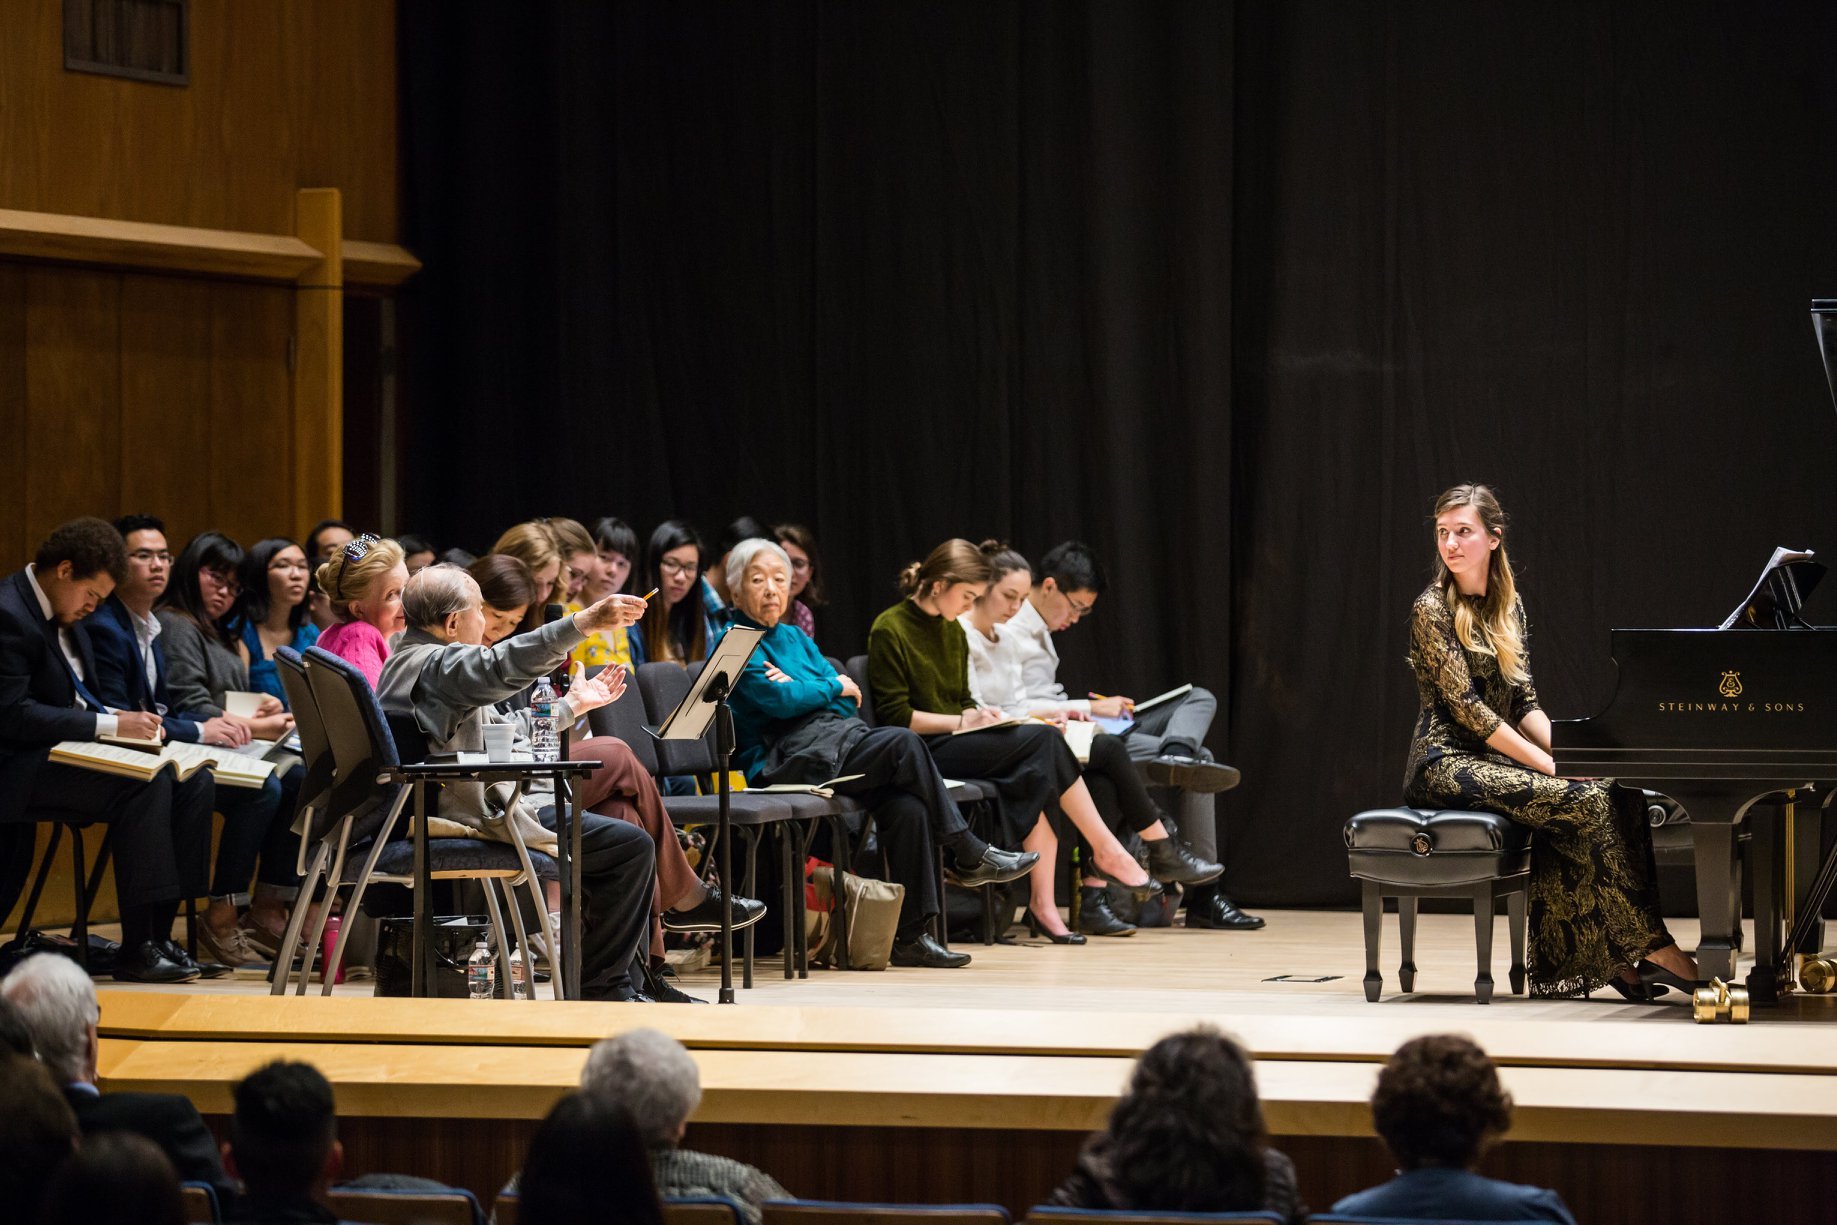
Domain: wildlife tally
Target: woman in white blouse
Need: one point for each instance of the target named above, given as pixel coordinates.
(1116, 787)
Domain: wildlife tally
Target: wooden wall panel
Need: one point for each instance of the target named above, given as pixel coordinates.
(12, 412)
(73, 389)
(251, 411)
(166, 332)
(283, 94)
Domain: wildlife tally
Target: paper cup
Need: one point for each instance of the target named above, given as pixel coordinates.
(498, 739)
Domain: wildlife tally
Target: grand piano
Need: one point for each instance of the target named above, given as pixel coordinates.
(1738, 725)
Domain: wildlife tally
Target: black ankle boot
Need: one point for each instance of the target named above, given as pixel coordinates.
(1172, 863)
(1095, 918)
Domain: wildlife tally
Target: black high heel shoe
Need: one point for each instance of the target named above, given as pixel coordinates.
(1033, 925)
(1638, 993)
(1654, 975)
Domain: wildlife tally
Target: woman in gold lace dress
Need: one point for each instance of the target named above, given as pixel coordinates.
(1482, 743)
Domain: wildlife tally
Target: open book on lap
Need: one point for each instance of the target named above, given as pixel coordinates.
(826, 789)
(184, 760)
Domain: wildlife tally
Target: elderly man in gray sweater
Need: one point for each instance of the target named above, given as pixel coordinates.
(443, 676)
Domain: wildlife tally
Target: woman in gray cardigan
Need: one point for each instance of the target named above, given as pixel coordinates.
(203, 663)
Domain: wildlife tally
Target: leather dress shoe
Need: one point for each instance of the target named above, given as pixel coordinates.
(1095, 916)
(1214, 910)
(661, 989)
(705, 915)
(147, 963)
(926, 952)
(206, 969)
(1192, 774)
(996, 867)
(1172, 863)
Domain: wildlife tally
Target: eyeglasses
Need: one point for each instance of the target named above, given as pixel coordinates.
(668, 566)
(148, 556)
(1080, 611)
(223, 579)
(800, 564)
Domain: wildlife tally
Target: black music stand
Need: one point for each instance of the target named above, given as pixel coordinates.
(707, 699)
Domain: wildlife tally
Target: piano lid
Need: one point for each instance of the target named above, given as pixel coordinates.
(1824, 323)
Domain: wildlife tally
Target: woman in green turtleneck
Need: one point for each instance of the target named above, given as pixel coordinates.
(918, 669)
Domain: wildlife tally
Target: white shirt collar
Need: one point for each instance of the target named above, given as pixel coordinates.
(44, 601)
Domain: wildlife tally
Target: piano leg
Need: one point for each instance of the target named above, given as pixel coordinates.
(1764, 846)
(1514, 909)
(1718, 897)
(1808, 853)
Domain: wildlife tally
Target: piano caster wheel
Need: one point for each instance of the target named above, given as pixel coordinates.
(1818, 975)
(1722, 1003)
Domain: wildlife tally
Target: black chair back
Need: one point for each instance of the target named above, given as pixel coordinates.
(664, 686)
(359, 736)
(857, 668)
(315, 748)
(624, 720)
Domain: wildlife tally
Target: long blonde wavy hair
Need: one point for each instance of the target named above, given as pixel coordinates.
(1495, 629)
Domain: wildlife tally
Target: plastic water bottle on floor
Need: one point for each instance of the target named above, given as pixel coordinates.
(519, 975)
(481, 973)
(543, 741)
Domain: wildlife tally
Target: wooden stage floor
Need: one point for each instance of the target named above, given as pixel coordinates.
(1029, 1046)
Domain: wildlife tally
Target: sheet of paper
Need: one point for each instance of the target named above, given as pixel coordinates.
(242, 703)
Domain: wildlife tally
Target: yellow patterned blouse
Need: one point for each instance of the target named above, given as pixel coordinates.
(601, 649)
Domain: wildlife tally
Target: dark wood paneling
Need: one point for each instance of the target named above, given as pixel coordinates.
(251, 411)
(12, 412)
(284, 94)
(1628, 1185)
(166, 326)
(73, 393)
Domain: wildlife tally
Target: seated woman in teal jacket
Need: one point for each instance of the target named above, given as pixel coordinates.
(797, 720)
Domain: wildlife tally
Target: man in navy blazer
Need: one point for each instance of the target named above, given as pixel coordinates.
(159, 830)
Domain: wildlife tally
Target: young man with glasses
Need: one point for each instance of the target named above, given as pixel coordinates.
(1169, 739)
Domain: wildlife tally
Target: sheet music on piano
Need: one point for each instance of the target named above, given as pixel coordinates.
(1779, 593)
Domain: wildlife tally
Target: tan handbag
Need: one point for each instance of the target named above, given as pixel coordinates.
(873, 919)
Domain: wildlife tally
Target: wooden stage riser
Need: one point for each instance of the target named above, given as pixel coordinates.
(1622, 1185)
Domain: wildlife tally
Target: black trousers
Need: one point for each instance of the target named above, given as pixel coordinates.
(1116, 788)
(160, 831)
(254, 824)
(912, 810)
(618, 871)
(1030, 768)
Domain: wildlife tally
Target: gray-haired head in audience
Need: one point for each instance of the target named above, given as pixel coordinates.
(759, 580)
(435, 593)
(57, 1002)
(742, 555)
(652, 1076)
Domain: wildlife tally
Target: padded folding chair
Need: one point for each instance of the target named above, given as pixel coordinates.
(830, 1212)
(85, 878)
(376, 1206)
(364, 752)
(316, 816)
(200, 1200)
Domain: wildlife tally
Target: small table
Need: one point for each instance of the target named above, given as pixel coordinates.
(475, 768)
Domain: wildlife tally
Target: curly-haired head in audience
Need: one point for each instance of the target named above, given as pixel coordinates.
(116, 1178)
(587, 1165)
(507, 589)
(365, 583)
(77, 567)
(284, 1135)
(1186, 1136)
(1439, 1103)
(38, 1133)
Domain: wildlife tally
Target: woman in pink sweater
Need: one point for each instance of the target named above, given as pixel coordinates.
(364, 582)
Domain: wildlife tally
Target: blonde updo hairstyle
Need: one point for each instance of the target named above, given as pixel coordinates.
(954, 561)
(345, 579)
(1493, 627)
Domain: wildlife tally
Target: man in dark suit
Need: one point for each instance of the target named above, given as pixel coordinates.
(57, 1002)
(160, 830)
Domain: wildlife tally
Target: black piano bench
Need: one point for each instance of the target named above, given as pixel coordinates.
(1411, 853)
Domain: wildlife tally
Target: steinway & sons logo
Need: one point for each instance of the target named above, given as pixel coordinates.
(1730, 688)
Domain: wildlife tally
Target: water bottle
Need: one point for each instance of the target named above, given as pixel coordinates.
(543, 741)
(519, 975)
(481, 972)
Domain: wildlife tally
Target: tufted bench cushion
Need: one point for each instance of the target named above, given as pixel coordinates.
(1423, 846)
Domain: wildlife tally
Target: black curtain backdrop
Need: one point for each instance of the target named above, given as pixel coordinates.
(1229, 292)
